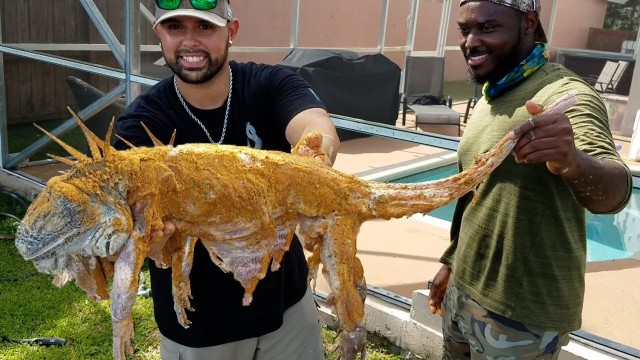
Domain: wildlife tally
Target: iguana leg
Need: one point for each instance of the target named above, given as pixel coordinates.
(310, 231)
(313, 262)
(123, 295)
(346, 278)
(126, 276)
(181, 248)
(350, 343)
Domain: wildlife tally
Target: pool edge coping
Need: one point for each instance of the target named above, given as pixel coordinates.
(408, 168)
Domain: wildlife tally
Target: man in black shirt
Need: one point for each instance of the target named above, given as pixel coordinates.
(213, 100)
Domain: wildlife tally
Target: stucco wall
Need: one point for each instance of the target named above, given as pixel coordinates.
(573, 21)
(353, 23)
(356, 23)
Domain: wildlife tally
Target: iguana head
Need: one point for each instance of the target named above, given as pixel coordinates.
(77, 219)
(68, 217)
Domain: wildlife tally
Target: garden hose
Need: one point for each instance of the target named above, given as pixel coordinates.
(42, 341)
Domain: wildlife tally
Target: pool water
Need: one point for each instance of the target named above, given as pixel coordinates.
(609, 237)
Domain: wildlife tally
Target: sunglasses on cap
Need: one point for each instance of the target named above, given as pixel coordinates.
(197, 4)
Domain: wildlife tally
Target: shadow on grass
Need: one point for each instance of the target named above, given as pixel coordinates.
(33, 307)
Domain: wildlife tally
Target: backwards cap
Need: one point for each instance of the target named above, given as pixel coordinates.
(219, 15)
(524, 6)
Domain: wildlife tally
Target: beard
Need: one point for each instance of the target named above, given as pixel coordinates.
(503, 63)
(211, 69)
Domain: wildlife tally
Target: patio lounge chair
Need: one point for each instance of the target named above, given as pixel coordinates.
(422, 94)
(471, 103)
(610, 76)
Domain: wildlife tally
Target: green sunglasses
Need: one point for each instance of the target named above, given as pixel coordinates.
(197, 4)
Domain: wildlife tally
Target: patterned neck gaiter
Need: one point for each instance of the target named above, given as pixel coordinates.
(538, 57)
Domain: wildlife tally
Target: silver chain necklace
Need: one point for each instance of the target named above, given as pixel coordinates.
(226, 113)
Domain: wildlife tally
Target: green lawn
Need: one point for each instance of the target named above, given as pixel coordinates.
(22, 135)
(32, 307)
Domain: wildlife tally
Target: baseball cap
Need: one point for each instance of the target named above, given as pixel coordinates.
(524, 6)
(219, 15)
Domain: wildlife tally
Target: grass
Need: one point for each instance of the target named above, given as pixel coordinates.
(22, 135)
(32, 307)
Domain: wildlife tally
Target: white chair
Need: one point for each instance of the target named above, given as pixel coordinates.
(617, 75)
(610, 76)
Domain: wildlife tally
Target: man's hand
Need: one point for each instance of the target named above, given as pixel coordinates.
(438, 289)
(547, 136)
(312, 134)
(310, 145)
(600, 185)
(160, 237)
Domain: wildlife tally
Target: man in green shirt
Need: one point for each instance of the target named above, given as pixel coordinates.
(512, 280)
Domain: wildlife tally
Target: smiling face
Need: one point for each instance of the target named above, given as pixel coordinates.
(195, 49)
(494, 38)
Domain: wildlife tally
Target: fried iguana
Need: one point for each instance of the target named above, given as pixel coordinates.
(102, 219)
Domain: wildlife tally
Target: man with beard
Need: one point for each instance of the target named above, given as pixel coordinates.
(213, 100)
(512, 280)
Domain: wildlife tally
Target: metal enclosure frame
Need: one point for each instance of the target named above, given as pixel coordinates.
(128, 57)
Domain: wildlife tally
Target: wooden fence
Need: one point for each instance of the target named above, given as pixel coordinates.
(37, 91)
(609, 40)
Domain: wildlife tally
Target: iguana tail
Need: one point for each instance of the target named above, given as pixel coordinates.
(398, 200)
(394, 200)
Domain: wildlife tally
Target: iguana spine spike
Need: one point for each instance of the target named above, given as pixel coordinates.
(173, 138)
(155, 140)
(68, 148)
(61, 159)
(107, 139)
(130, 145)
(95, 144)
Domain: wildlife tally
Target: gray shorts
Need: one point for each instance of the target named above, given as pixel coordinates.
(299, 337)
(473, 332)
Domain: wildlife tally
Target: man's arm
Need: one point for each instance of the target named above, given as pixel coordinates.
(599, 185)
(314, 119)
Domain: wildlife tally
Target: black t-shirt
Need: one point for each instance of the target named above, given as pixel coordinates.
(263, 101)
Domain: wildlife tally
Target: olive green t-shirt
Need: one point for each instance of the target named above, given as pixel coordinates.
(519, 247)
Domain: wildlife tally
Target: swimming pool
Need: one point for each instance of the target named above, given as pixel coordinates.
(609, 237)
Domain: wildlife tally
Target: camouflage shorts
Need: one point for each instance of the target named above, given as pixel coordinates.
(472, 332)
